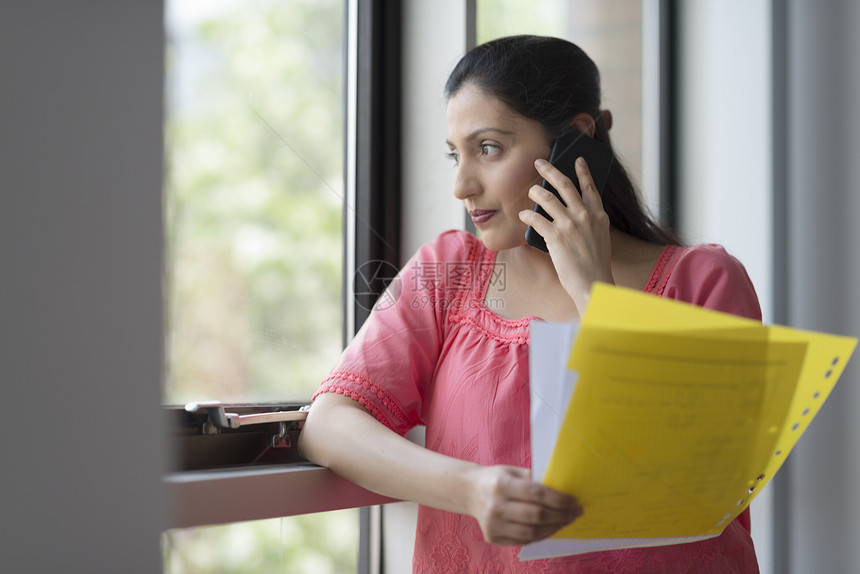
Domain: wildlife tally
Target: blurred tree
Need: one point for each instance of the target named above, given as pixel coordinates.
(253, 210)
(253, 204)
(319, 543)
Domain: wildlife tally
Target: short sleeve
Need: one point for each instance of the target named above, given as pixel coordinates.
(390, 363)
(708, 276)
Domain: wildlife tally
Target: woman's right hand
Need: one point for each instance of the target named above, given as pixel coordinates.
(578, 237)
(511, 508)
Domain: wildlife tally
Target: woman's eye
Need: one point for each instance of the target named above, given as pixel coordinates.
(489, 149)
(454, 156)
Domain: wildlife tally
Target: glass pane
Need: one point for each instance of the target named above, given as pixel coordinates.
(610, 31)
(325, 543)
(254, 181)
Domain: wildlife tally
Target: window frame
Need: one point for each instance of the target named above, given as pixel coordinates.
(204, 492)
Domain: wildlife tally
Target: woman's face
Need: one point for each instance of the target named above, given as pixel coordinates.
(494, 149)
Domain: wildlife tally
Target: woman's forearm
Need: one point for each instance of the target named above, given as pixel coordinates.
(343, 436)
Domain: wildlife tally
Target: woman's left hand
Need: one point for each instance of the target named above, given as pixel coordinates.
(578, 236)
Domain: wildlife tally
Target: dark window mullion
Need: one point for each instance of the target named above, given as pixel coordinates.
(781, 485)
(669, 109)
(376, 212)
(377, 205)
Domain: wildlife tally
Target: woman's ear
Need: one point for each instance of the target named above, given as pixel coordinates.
(582, 122)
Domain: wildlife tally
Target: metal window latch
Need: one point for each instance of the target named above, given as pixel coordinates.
(218, 419)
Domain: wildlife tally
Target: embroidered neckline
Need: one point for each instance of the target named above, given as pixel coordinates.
(487, 321)
(663, 269)
(665, 255)
(488, 266)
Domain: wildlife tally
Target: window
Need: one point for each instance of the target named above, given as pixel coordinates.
(322, 543)
(254, 198)
(254, 210)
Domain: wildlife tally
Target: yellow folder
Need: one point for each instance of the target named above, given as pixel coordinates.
(681, 415)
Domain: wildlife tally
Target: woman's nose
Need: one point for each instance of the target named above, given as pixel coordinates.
(465, 183)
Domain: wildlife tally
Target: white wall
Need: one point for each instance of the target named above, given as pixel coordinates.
(434, 38)
(80, 286)
(725, 119)
(823, 282)
(725, 156)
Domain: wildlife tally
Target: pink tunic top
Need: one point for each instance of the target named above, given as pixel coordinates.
(435, 353)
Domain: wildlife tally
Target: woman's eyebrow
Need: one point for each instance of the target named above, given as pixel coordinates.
(482, 131)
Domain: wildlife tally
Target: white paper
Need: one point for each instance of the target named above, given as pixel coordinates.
(551, 387)
(554, 547)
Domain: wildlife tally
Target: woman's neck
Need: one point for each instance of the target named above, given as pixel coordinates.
(633, 259)
(532, 285)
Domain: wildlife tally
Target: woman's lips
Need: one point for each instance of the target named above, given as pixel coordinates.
(480, 216)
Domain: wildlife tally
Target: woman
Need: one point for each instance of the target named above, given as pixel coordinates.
(451, 351)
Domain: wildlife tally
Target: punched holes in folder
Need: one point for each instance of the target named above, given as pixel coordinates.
(816, 395)
(753, 485)
(741, 501)
(830, 370)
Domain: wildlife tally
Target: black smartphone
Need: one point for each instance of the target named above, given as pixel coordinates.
(565, 151)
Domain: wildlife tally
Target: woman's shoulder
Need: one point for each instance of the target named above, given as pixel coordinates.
(709, 276)
(707, 259)
(455, 260)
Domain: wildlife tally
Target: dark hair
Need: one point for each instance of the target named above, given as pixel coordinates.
(551, 80)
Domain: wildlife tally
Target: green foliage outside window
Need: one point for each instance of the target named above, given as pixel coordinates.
(254, 265)
(319, 544)
(254, 179)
